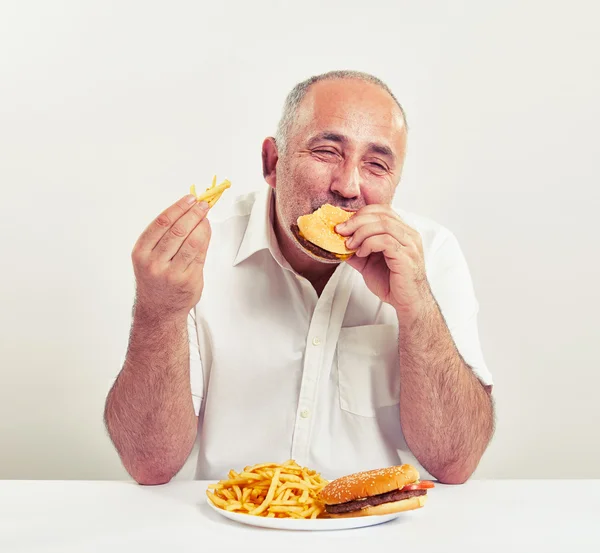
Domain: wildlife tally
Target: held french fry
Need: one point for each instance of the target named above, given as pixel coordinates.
(211, 195)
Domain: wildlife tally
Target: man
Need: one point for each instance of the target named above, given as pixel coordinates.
(246, 346)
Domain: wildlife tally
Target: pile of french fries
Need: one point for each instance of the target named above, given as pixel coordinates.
(271, 490)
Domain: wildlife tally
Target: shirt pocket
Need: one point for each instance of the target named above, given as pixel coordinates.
(368, 372)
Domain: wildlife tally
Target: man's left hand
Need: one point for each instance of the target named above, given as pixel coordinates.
(389, 255)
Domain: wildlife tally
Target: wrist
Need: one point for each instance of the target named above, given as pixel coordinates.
(417, 313)
(156, 316)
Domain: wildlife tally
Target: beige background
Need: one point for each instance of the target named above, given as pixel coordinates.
(110, 110)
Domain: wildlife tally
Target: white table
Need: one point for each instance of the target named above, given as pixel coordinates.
(480, 516)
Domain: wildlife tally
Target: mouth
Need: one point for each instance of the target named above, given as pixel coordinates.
(316, 207)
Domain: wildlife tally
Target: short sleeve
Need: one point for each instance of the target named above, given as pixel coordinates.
(196, 372)
(452, 287)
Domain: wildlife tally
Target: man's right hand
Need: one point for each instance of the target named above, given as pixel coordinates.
(168, 259)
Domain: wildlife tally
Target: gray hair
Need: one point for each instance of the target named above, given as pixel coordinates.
(297, 94)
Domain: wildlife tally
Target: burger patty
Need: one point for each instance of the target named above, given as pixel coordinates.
(313, 248)
(372, 501)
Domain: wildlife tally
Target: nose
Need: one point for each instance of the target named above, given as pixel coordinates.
(347, 182)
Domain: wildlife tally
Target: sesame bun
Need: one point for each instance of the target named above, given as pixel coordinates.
(386, 508)
(316, 233)
(368, 483)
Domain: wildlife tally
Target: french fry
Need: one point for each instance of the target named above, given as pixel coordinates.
(290, 478)
(224, 484)
(234, 506)
(295, 486)
(212, 194)
(285, 509)
(250, 476)
(228, 494)
(217, 500)
(270, 494)
(308, 512)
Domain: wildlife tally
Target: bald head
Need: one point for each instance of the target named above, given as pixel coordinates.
(296, 98)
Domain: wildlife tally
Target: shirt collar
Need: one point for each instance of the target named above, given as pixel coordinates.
(259, 234)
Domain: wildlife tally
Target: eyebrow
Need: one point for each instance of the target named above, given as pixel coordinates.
(381, 149)
(328, 135)
(373, 147)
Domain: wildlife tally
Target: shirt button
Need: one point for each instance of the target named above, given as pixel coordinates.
(305, 414)
(316, 341)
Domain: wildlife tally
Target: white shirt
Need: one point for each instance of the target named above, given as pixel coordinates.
(278, 372)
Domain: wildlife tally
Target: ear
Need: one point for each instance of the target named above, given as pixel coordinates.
(269, 161)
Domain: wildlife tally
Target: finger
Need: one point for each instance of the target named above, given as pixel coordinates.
(377, 208)
(381, 226)
(169, 244)
(193, 250)
(157, 229)
(373, 210)
(355, 222)
(370, 213)
(384, 243)
(382, 209)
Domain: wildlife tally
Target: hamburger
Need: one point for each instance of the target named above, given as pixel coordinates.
(375, 492)
(316, 234)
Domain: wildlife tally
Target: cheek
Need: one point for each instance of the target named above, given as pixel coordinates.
(311, 175)
(294, 192)
(378, 193)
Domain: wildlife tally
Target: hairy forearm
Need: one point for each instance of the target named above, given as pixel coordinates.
(149, 412)
(446, 412)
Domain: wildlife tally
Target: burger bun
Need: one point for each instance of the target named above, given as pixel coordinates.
(316, 234)
(368, 483)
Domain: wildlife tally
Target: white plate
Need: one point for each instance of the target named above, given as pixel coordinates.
(308, 524)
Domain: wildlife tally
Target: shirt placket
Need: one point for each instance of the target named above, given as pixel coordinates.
(314, 355)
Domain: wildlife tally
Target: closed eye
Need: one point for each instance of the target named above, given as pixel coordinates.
(326, 155)
(378, 168)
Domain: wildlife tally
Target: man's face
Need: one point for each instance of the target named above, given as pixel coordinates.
(346, 148)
